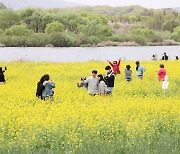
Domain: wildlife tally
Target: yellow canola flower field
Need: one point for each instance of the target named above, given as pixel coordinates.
(137, 118)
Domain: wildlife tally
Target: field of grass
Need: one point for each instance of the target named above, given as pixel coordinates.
(137, 118)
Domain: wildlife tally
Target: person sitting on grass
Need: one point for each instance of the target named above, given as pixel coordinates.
(2, 77)
(109, 79)
(47, 91)
(116, 66)
(139, 70)
(102, 87)
(128, 73)
(82, 84)
(161, 73)
(92, 83)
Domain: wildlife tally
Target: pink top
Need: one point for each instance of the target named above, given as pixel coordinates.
(161, 74)
(115, 67)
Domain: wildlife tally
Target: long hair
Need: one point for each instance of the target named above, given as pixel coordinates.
(101, 78)
(45, 77)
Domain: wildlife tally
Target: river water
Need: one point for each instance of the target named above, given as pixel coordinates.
(78, 54)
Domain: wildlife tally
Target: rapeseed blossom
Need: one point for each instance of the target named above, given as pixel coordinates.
(138, 114)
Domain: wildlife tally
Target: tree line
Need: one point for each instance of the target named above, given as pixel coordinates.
(35, 27)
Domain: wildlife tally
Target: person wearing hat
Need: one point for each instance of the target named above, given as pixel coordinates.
(115, 65)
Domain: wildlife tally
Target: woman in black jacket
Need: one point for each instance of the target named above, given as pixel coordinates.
(2, 77)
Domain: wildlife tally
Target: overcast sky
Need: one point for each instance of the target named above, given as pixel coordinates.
(144, 3)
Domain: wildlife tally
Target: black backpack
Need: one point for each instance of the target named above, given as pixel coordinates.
(40, 88)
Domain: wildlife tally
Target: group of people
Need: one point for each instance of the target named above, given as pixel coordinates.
(164, 57)
(103, 85)
(96, 83)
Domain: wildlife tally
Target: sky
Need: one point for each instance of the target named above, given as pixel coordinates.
(144, 3)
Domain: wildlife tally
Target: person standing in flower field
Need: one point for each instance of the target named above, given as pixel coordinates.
(44, 88)
(116, 66)
(139, 70)
(161, 73)
(109, 79)
(2, 77)
(92, 82)
(162, 76)
(82, 84)
(40, 86)
(48, 92)
(102, 87)
(128, 73)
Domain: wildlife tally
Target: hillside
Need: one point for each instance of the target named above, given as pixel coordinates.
(2, 6)
(19, 4)
(177, 9)
(111, 11)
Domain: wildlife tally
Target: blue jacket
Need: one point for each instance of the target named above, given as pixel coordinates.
(140, 71)
(48, 90)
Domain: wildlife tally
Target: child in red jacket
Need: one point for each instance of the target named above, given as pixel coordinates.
(116, 66)
(161, 73)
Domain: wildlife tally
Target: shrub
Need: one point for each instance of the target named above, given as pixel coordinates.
(54, 27)
(141, 40)
(120, 38)
(18, 30)
(62, 40)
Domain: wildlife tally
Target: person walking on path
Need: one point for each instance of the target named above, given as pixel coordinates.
(139, 70)
(109, 79)
(92, 82)
(116, 66)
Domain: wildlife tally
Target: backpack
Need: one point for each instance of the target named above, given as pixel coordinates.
(40, 88)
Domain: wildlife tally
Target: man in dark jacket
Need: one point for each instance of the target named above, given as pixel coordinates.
(2, 78)
(109, 79)
(165, 56)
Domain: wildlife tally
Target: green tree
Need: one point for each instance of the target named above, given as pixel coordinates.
(62, 39)
(54, 27)
(36, 19)
(170, 25)
(104, 31)
(8, 18)
(2, 6)
(18, 30)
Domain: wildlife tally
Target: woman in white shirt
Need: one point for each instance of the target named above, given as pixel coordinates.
(102, 87)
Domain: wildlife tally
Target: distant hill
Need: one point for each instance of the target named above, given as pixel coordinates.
(112, 11)
(46, 4)
(177, 9)
(2, 6)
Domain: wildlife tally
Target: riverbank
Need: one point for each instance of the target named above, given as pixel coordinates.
(103, 44)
